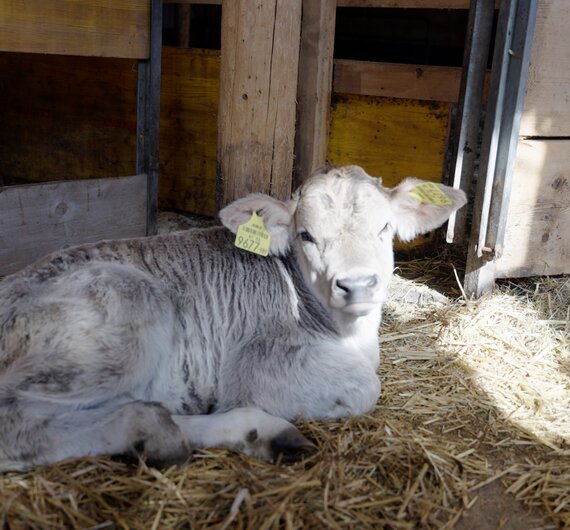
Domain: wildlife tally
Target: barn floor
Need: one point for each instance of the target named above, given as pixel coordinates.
(472, 432)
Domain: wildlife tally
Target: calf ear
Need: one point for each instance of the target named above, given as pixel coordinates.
(419, 209)
(277, 217)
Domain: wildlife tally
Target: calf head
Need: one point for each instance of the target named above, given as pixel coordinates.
(341, 224)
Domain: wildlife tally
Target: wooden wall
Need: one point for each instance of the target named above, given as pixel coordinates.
(69, 118)
(537, 239)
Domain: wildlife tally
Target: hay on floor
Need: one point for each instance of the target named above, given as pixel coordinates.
(472, 431)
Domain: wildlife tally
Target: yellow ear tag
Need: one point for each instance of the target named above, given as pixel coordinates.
(253, 237)
(430, 193)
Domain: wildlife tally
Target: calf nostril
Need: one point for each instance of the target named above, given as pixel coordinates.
(372, 281)
(342, 286)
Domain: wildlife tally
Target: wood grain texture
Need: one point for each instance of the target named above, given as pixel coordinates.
(258, 87)
(413, 4)
(40, 218)
(408, 81)
(314, 87)
(103, 28)
(547, 102)
(537, 239)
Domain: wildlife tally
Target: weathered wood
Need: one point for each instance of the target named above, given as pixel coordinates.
(414, 4)
(409, 81)
(190, 91)
(547, 109)
(40, 218)
(258, 87)
(104, 28)
(315, 87)
(537, 238)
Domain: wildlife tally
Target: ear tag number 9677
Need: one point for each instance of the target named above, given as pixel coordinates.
(253, 237)
(430, 193)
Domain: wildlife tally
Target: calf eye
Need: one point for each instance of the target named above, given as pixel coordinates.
(305, 236)
(387, 226)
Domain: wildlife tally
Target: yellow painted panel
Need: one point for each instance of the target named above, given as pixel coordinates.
(390, 138)
(189, 125)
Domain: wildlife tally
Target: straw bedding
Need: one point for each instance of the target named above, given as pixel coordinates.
(472, 432)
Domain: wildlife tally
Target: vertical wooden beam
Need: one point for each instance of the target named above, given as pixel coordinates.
(258, 86)
(315, 86)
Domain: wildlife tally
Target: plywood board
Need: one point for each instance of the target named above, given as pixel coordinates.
(103, 28)
(39, 218)
(76, 117)
(391, 138)
(537, 240)
(67, 117)
(189, 129)
(409, 81)
(547, 102)
(258, 87)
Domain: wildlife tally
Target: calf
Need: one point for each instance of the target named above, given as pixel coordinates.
(163, 344)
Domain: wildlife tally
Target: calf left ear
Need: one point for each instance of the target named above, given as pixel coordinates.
(277, 217)
(420, 206)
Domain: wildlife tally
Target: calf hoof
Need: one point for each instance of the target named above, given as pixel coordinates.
(291, 446)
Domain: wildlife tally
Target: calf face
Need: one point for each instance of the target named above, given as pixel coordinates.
(341, 224)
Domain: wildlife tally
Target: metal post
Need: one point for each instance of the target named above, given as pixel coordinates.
(470, 106)
(148, 114)
(511, 60)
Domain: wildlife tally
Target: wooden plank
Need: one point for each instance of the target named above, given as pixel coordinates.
(40, 218)
(103, 28)
(417, 4)
(189, 129)
(547, 109)
(391, 138)
(409, 81)
(258, 87)
(537, 239)
(76, 116)
(67, 116)
(411, 4)
(315, 87)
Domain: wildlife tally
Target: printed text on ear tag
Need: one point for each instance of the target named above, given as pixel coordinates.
(430, 193)
(253, 237)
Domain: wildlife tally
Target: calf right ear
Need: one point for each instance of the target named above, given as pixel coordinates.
(420, 206)
(277, 217)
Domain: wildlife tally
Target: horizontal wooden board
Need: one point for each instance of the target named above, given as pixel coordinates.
(36, 219)
(537, 240)
(103, 28)
(418, 4)
(547, 102)
(409, 81)
(410, 4)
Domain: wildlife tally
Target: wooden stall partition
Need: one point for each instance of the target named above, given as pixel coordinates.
(82, 27)
(38, 218)
(258, 87)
